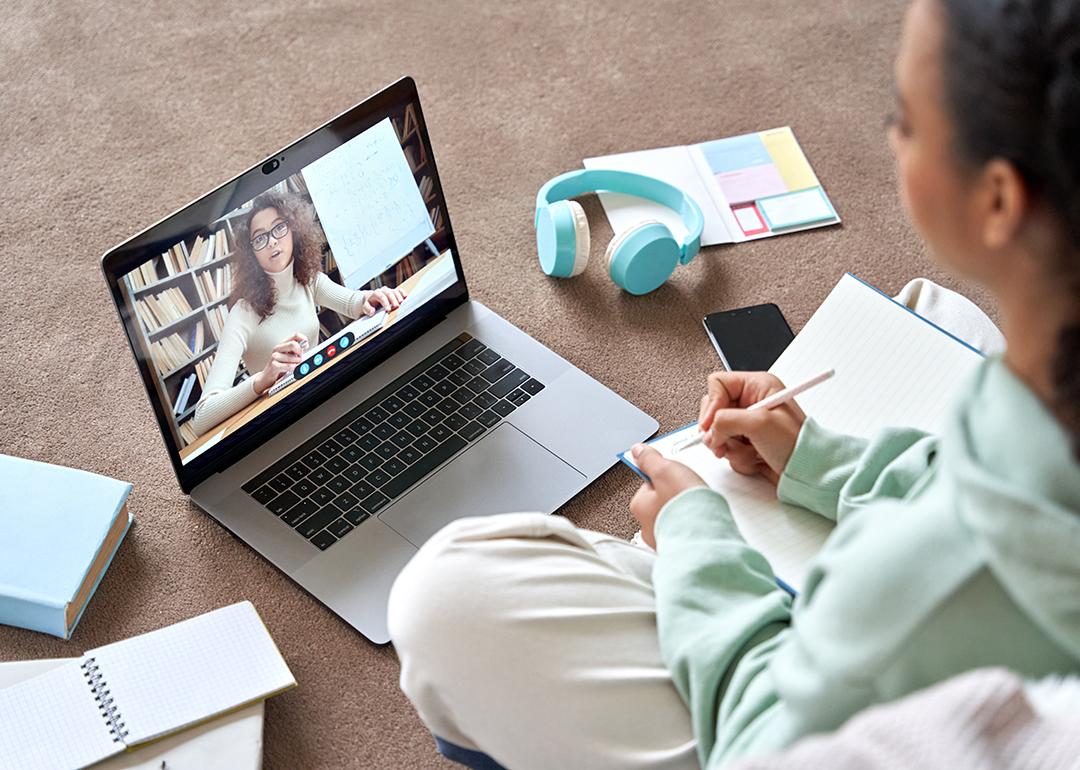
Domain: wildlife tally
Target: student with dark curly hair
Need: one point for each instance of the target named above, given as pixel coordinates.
(278, 284)
(545, 645)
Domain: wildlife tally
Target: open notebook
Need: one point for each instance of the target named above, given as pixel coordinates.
(892, 368)
(140, 689)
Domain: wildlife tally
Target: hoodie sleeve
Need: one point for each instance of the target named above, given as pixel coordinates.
(833, 474)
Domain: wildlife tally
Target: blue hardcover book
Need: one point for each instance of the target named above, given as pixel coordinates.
(59, 530)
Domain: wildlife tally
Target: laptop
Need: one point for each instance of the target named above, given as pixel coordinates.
(376, 431)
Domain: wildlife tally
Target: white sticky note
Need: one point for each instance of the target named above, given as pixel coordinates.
(748, 219)
(797, 208)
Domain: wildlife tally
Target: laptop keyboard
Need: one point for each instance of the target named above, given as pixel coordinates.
(372, 455)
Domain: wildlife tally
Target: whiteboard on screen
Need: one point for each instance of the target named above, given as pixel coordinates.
(368, 203)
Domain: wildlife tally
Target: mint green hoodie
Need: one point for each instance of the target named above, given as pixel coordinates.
(951, 553)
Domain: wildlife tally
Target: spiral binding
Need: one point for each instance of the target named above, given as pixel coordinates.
(104, 700)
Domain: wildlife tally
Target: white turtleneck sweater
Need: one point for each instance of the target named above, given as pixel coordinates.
(244, 335)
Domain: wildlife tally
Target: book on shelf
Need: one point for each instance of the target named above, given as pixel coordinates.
(173, 351)
(184, 395)
(415, 158)
(426, 186)
(202, 369)
(214, 284)
(163, 308)
(216, 316)
(436, 218)
(187, 432)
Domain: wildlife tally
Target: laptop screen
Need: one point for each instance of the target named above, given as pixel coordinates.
(240, 314)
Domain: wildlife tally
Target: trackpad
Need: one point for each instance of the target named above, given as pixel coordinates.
(504, 472)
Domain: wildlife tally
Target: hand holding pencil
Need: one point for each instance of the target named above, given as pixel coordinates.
(752, 420)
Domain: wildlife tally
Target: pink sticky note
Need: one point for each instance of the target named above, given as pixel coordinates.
(749, 219)
(750, 183)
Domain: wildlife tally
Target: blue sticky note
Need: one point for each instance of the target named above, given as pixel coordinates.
(737, 152)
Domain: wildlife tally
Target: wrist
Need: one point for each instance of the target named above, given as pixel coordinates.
(258, 383)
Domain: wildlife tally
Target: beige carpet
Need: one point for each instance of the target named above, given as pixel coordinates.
(114, 114)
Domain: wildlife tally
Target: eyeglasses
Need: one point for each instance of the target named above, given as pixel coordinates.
(279, 231)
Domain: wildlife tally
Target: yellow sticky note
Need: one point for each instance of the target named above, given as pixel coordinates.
(788, 157)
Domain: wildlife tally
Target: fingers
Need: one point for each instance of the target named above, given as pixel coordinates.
(730, 423)
(744, 458)
(648, 459)
(735, 389)
(368, 307)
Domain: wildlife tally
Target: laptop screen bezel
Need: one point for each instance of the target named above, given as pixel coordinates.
(291, 159)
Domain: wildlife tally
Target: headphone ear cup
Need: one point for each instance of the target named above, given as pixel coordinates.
(562, 239)
(642, 258)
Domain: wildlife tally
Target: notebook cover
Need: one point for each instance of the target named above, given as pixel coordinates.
(53, 522)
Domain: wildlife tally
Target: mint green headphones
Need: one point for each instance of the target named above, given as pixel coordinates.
(640, 259)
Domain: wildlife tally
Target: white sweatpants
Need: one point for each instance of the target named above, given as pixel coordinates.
(535, 642)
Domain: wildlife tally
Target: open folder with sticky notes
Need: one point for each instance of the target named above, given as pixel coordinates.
(748, 187)
(893, 368)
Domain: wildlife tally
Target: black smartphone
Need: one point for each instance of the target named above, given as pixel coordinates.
(749, 339)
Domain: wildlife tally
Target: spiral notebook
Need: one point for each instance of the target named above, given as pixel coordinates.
(131, 692)
(893, 367)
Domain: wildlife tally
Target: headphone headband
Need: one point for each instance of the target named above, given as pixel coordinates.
(575, 183)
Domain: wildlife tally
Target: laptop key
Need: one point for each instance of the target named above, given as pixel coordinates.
(330, 447)
(351, 453)
(280, 483)
(340, 527)
(518, 397)
(323, 540)
(282, 503)
(497, 370)
(312, 460)
(440, 432)
(424, 444)
(394, 467)
(383, 431)
(360, 426)
(462, 395)
(452, 361)
(474, 367)
(376, 414)
(469, 411)
(362, 489)
(356, 515)
(485, 400)
(470, 349)
(378, 478)
(472, 430)
(372, 461)
(437, 372)
(447, 406)
(345, 436)
(408, 393)
(503, 408)
(304, 487)
(299, 512)
(264, 494)
(487, 418)
(414, 409)
(367, 443)
(322, 496)
(454, 422)
(426, 465)
(402, 439)
(346, 500)
(508, 383)
(417, 428)
(336, 464)
(399, 420)
(488, 356)
(386, 450)
(355, 473)
(375, 503)
(430, 398)
(320, 476)
(296, 471)
(338, 484)
(422, 383)
(460, 377)
(408, 456)
(444, 387)
(318, 520)
(477, 384)
(392, 404)
(433, 416)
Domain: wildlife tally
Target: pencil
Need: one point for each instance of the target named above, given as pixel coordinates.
(773, 401)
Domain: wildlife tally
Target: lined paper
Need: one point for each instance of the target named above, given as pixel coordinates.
(51, 721)
(892, 369)
(177, 676)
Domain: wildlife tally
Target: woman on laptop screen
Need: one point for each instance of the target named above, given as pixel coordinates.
(279, 285)
(545, 645)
